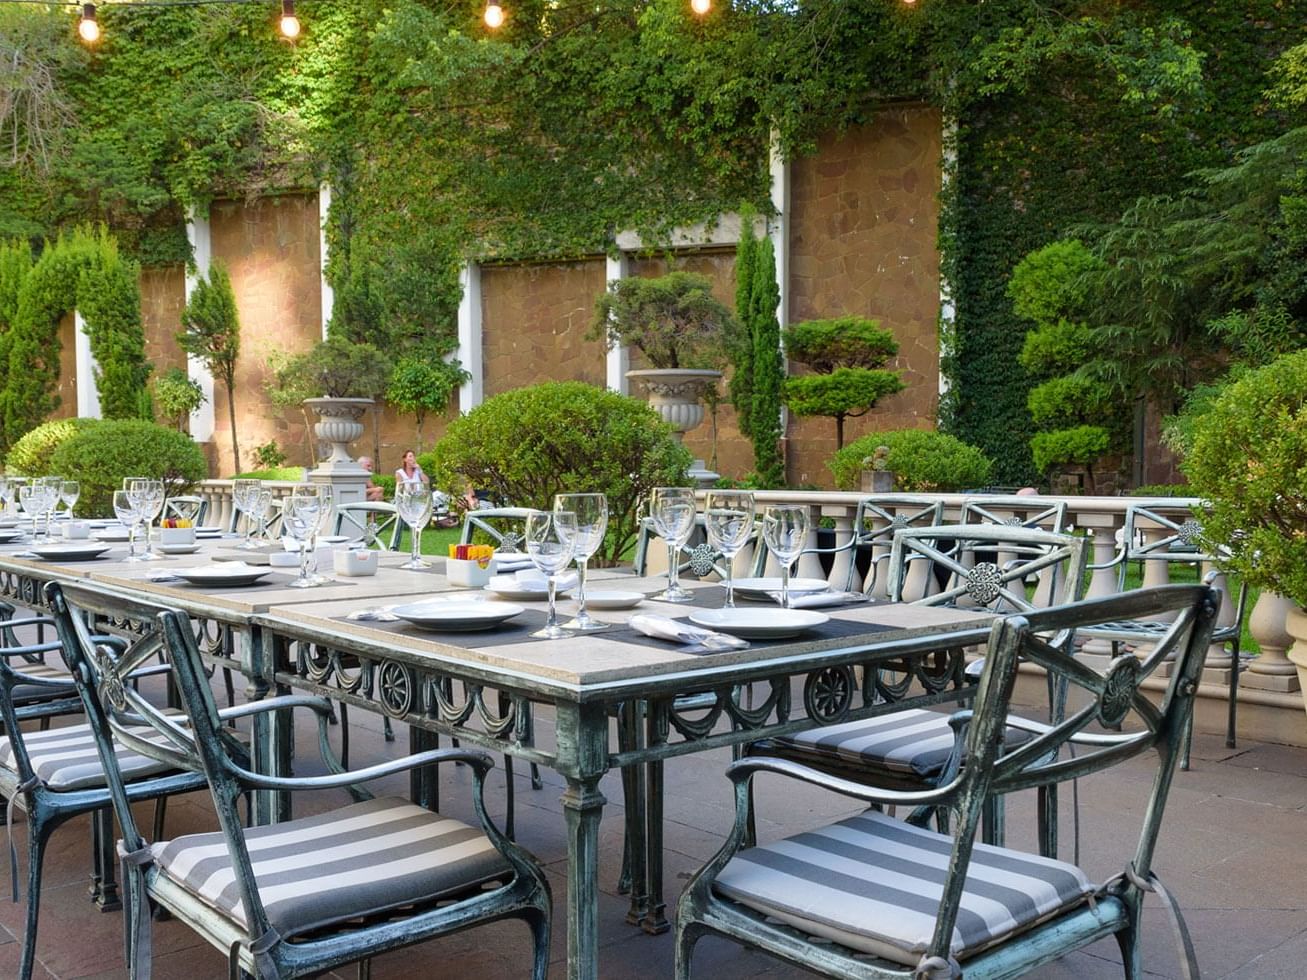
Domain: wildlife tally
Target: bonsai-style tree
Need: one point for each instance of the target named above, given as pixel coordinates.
(340, 368)
(211, 332)
(420, 385)
(847, 353)
(674, 320)
(176, 395)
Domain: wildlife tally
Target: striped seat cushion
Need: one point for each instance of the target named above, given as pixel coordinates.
(47, 671)
(912, 742)
(873, 883)
(359, 860)
(66, 758)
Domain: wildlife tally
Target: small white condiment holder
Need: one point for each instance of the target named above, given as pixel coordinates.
(355, 562)
(175, 535)
(76, 530)
(468, 572)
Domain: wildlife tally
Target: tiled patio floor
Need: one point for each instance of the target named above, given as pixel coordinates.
(1233, 853)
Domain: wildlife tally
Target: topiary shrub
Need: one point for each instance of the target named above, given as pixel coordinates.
(101, 455)
(921, 461)
(1078, 446)
(31, 454)
(530, 443)
(1248, 458)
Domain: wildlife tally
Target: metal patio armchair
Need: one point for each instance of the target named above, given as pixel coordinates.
(375, 525)
(875, 898)
(314, 893)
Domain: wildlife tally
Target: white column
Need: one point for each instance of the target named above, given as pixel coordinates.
(200, 237)
(328, 294)
(472, 393)
(947, 309)
(779, 227)
(619, 358)
(88, 393)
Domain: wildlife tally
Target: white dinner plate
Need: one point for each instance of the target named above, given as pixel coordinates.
(211, 531)
(227, 573)
(456, 616)
(69, 552)
(758, 588)
(508, 587)
(759, 624)
(111, 534)
(613, 599)
(177, 549)
(10, 534)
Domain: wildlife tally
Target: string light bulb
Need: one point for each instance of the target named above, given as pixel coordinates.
(701, 7)
(290, 24)
(494, 15)
(88, 27)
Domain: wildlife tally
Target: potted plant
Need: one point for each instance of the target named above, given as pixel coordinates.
(680, 327)
(1248, 460)
(342, 379)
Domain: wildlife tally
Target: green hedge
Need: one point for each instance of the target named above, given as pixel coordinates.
(921, 461)
(31, 454)
(531, 443)
(295, 473)
(100, 456)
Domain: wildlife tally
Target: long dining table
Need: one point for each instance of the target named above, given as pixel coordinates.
(482, 687)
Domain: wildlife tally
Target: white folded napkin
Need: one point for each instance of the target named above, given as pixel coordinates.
(821, 600)
(665, 628)
(535, 581)
(510, 561)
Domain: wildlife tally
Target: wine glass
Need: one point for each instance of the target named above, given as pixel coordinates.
(785, 530)
(149, 496)
(413, 502)
(728, 521)
(69, 491)
(551, 542)
(5, 489)
(326, 514)
(591, 510)
(242, 491)
(672, 511)
(32, 497)
(125, 509)
(300, 515)
(258, 505)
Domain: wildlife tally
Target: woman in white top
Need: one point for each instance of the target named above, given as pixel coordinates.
(409, 473)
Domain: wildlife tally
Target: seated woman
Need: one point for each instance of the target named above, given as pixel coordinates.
(409, 472)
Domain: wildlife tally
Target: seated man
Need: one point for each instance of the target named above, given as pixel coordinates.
(373, 492)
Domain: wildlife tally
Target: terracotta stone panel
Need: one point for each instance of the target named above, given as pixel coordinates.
(535, 318)
(67, 387)
(864, 214)
(270, 247)
(163, 297)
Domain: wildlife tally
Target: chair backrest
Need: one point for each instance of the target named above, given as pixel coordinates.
(117, 711)
(877, 520)
(1058, 560)
(1160, 531)
(1017, 511)
(1115, 700)
(375, 525)
(505, 526)
(697, 558)
(20, 668)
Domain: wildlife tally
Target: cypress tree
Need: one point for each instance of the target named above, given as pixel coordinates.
(765, 410)
(741, 346)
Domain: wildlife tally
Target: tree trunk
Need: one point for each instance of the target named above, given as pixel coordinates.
(231, 415)
(839, 432)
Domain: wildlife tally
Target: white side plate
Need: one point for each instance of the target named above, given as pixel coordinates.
(760, 624)
(456, 616)
(230, 573)
(613, 599)
(757, 588)
(69, 552)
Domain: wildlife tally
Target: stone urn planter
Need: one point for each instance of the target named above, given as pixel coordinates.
(1296, 624)
(340, 422)
(677, 395)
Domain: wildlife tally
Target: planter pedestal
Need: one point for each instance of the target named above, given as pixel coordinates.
(677, 395)
(1296, 624)
(340, 422)
(1271, 670)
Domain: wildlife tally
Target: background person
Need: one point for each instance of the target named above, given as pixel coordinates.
(372, 492)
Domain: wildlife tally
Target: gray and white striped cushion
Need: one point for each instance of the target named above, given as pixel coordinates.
(873, 883)
(66, 758)
(361, 859)
(48, 671)
(913, 742)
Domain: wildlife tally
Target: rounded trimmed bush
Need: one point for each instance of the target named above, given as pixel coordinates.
(31, 454)
(1248, 457)
(922, 461)
(530, 443)
(99, 457)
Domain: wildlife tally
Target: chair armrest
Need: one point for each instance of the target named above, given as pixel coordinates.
(745, 769)
(318, 705)
(1103, 740)
(477, 760)
(32, 648)
(27, 621)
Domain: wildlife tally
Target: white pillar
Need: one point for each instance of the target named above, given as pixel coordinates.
(88, 393)
(200, 237)
(472, 393)
(947, 309)
(619, 358)
(779, 232)
(328, 294)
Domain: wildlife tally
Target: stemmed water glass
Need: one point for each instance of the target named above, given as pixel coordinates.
(591, 510)
(728, 521)
(326, 514)
(300, 515)
(672, 512)
(34, 499)
(551, 542)
(413, 502)
(69, 491)
(242, 493)
(5, 490)
(148, 496)
(125, 509)
(258, 505)
(785, 530)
